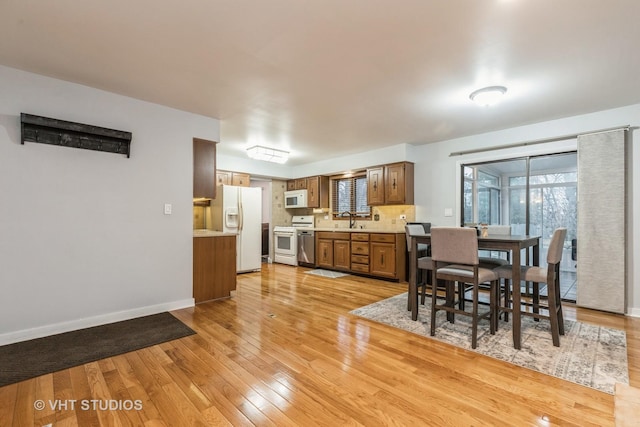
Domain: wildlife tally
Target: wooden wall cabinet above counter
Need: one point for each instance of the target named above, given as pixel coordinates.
(317, 190)
(204, 169)
(239, 179)
(390, 184)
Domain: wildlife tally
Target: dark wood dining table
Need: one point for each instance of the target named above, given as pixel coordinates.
(512, 243)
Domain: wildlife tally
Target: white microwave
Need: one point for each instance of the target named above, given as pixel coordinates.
(295, 199)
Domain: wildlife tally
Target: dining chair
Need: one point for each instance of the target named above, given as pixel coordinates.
(550, 275)
(454, 254)
(423, 265)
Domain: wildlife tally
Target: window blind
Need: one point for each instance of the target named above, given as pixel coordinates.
(349, 194)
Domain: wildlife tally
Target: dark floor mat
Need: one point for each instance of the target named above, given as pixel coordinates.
(29, 359)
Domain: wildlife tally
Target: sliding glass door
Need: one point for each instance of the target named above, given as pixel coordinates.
(534, 195)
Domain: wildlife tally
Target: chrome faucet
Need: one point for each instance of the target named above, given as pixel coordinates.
(352, 218)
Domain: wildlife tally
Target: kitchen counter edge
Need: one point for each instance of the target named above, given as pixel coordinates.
(211, 233)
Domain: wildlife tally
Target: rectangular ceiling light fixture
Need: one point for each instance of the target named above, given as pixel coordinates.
(259, 152)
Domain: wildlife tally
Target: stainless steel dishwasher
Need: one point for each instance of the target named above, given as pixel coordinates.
(306, 247)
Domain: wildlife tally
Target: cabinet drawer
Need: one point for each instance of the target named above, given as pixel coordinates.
(332, 235)
(360, 237)
(359, 259)
(384, 238)
(360, 248)
(360, 268)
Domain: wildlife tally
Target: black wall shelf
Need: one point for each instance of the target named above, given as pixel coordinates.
(69, 134)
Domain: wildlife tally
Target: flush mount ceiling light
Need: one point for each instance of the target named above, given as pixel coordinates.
(488, 95)
(259, 152)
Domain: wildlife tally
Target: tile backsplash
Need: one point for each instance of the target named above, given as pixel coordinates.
(388, 219)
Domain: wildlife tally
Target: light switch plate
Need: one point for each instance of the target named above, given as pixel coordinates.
(448, 212)
(167, 208)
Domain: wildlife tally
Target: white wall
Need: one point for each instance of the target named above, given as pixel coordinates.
(83, 237)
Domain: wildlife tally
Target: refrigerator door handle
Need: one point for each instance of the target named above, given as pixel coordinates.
(240, 214)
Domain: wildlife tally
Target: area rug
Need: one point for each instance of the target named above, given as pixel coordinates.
(30, 359)
(326, 273)
(589, 355)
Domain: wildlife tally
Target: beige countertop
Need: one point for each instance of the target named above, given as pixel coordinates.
(211, 233)
(360, 230)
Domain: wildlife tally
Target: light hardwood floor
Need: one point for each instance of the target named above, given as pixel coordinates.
(285, 352)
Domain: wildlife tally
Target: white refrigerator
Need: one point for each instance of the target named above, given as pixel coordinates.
(239, 210)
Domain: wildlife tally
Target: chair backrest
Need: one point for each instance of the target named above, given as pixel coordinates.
(554, 255)
(413, 230)
(455, 245)
(425, 225)
(499, 230)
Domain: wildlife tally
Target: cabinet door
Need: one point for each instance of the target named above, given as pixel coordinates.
(291, 185)
(214, 267)
(223, 178)
(325, 253)
(342, 254)
(204, 168)
(395, 184)
(301, 183)
(382, 260)
(240, 179)
(313, 192)
(375, 186)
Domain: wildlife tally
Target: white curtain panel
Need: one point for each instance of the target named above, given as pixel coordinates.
(601, 231)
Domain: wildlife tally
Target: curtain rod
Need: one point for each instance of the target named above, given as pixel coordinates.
(534, 142)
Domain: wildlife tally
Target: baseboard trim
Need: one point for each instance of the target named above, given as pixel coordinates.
(634, 312)
(87, 322)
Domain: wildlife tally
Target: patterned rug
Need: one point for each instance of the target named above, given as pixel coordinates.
(326, 273)
(593, 356)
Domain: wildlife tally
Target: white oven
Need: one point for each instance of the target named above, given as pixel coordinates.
(285, 249)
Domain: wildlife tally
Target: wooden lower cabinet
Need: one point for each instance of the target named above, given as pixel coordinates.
(382, 259)
(360, 252)
(341, 254)
(381, 255)
(333, 250)
(324, 253)
(214, 267)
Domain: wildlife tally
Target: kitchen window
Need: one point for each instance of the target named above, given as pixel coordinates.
(349, 194)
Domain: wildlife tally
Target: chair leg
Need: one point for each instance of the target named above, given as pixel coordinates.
(553, 313)
(536, 299)
(474, 318)
(450, 299)
(559, 306)
(434, 291)
(507, 298)
(494, 290)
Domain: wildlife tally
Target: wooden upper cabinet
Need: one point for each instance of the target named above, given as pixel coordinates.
(301, 184)
(204, 168)
(232, 178)
(223, 178)
(390, 184)
(318, 192)
(240, 179)
(398, 178)
(375, 186)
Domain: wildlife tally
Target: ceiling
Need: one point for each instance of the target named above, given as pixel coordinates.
(324, 78)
